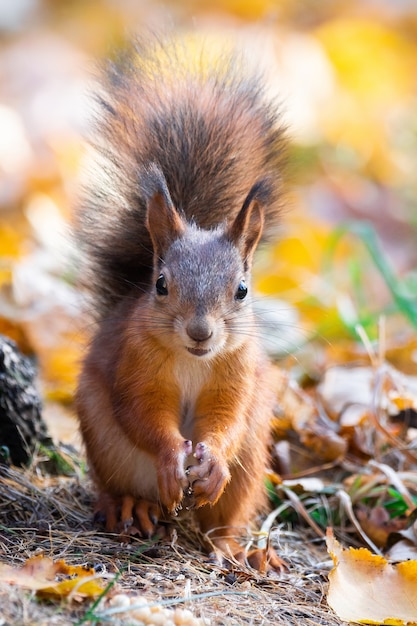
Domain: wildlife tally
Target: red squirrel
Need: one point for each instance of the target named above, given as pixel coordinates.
(175, 395)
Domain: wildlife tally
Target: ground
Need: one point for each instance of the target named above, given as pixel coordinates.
(54, 517)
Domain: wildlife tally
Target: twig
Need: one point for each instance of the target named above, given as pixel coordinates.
(300, 508)
(347, 504)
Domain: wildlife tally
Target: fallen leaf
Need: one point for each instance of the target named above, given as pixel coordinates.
(344, 386)
(365, 588)
(52, 578)
(298, 412)
(377, 524)
(308, 484)
(403, 543)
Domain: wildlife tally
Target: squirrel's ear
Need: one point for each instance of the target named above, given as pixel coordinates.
(246, 229)
(162, 219)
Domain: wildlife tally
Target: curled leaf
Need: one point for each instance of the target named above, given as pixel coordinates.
(365, 588)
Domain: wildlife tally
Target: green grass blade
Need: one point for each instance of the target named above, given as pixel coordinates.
(405, 300)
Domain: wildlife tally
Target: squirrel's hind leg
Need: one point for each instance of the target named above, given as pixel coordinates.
(228, 550)
(266, 560)
(128, 516)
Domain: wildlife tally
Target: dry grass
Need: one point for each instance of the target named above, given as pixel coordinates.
(53, 516)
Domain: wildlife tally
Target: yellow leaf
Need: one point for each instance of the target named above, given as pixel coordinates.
(5, 274)
(10, 241)
(403, 402)
(375, 67)
(46, 577)
(59, 349)
(245, 9)
(371, 60)
(365, 588)
(294, 261)
(60, 369)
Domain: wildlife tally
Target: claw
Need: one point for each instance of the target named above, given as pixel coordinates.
(128, 516)
(127, 523)
(189, 491)
(177, 510)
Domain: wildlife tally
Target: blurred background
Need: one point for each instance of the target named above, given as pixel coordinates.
(344, 266)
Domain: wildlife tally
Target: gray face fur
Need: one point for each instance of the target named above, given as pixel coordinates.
(205, 268)
(202, 272)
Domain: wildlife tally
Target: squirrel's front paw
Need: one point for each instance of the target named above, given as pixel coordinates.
(208, 479)
(172, 479)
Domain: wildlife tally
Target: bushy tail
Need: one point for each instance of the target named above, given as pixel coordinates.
(208, 127)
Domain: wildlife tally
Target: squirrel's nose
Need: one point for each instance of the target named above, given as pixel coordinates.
(199, 329)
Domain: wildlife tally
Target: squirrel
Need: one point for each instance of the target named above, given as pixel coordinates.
(175, 394)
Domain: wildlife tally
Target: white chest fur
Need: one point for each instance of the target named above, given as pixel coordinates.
(191, 375)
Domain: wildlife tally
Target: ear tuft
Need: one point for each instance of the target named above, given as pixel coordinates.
(163, 221)
(246, 229)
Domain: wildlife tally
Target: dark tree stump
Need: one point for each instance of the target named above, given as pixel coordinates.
(21, 424)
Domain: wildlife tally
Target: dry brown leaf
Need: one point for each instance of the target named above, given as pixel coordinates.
(52, 578)
(347, 386)
(365, 588)
(373, 407)
(377, 524)
(344, 386)
(298, 412)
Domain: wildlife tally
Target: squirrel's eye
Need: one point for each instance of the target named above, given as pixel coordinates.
(161, 286)
(242, 290)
